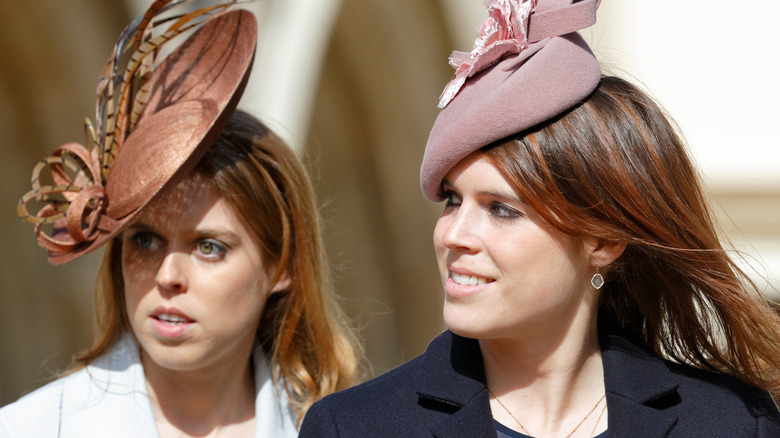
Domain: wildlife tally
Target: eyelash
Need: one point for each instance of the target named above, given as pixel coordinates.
(449, 197)
(503, 211)
(221, 249)
(156, 242)
(497, 209)
(149, 246)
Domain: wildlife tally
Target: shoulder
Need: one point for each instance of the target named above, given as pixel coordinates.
(389, 387)
(364, 409)
(106, 398)
(37, 413)
(717, 393)
(393, 404)
(716, 404)
(646, 391)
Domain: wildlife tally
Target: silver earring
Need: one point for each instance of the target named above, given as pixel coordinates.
(597, 281)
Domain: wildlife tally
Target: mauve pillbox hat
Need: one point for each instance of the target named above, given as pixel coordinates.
(528, 66)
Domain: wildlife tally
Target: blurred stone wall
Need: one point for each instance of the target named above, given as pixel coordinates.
(375, 106)
(51, 53)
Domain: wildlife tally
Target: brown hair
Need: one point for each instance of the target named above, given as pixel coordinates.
(615, 168)
(302, 328)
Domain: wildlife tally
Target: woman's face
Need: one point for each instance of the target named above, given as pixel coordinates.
(195, 280)
(505, 271)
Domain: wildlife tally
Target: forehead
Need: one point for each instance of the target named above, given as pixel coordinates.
(477, 171)
(186, 203)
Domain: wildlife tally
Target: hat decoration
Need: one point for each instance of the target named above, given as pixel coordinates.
(527, 66)
(155, 116)
(504, 32)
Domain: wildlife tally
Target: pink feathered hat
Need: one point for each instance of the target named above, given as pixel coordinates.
(527, 66)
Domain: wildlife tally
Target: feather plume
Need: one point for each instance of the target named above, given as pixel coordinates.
(122, 94)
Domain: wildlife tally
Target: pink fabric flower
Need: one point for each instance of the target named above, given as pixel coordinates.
(505, 31)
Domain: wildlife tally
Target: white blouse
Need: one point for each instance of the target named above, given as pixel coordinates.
(108, 398)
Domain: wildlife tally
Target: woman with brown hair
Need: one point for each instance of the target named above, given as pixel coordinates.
(215, 315)
(587, 292)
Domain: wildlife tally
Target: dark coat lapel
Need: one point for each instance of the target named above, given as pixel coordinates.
(470, 421)
(453, 381)
(640, 387)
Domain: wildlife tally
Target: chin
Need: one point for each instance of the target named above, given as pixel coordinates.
(174, 358)
(466, 327)
(478, 325)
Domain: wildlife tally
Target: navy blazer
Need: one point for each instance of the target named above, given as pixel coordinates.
(442, 393)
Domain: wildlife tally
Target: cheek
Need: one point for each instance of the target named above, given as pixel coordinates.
(242, 309)
(244, 290)
(555, 270)
(440, 249)
(138, 273)
(438, 235)
(568, 255)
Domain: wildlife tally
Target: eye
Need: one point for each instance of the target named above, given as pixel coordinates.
(211, 248)
(504, 211)
(451, 199)
(146, 240)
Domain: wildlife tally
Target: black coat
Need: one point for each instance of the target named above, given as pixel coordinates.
(442, 393)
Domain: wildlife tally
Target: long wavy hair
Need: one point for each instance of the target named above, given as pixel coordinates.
(615, 167)
(307, 337)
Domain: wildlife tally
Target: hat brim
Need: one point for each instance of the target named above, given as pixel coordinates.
(194, 92)
(519, 92)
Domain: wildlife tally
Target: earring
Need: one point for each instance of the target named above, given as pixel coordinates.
(597, 281)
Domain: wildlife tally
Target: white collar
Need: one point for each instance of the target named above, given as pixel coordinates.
(109, 397)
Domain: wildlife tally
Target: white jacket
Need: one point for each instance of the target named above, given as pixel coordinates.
(108, 398)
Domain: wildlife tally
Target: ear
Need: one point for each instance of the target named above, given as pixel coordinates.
(283, 283)
(603, 252)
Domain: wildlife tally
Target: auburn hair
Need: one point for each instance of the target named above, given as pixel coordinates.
(309, 342)
(614, 167)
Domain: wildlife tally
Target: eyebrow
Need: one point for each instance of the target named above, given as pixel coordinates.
(511, 196)
(207, 232)
(508, 195)
(139, 226)
(221, 233)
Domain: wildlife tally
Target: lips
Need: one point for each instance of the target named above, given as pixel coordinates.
(170, 322)
(468, 280)
(462, 283)
(172, 319)
(467, 277)
(171, 316)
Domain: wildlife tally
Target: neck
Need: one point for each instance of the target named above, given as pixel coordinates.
(202, 402)
(549, 381)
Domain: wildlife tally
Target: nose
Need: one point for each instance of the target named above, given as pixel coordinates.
(171, 273)
(458, 229)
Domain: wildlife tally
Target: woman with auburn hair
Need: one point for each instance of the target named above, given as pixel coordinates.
(301, 327)
(587, 292)
(215, 315)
